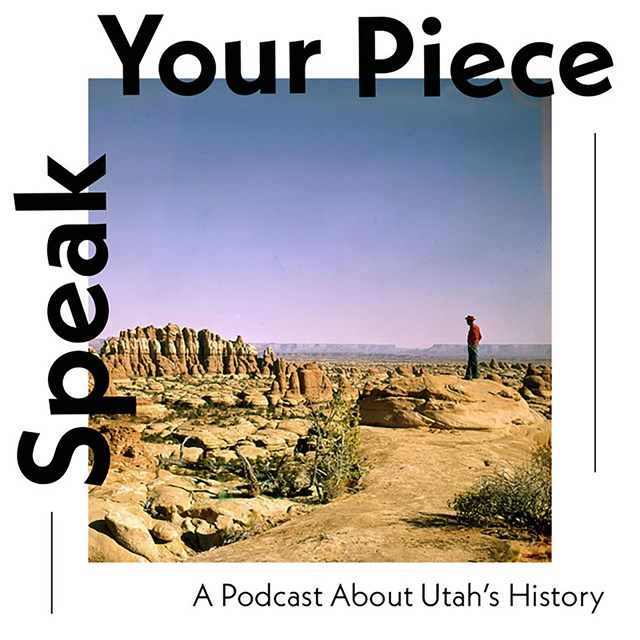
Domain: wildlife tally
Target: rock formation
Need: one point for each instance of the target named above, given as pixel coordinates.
(536, 388)
(179, 483)
(145, 512)
(151, 352)
(446, 402)
(170, 351)
(314, 384)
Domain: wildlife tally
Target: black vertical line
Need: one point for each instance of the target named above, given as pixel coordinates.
(595, 307)
(51, 568)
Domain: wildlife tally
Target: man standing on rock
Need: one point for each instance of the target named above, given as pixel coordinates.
(473, 341)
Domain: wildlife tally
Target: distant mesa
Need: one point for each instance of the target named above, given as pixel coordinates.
(327, 348)
(435, 352)
(504, 351)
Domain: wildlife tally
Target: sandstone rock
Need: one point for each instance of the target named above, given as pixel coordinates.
(446, 402)
(150, 410)
(299, 426)
(204, 508)
(251, 451)
(227, 528)
(538, 381)
(170, 495)
(172, 351)
(209, 509)
(293, 391)
(256, 401)
(258, 421)
(100, 507)
(404, 370)
(173, 551)
(225, 455)
(103, 548)
(346, 390)
(222, 398)
(280, 373)
(268, 359)
(131, 534)
(162, 450)
(208, 536)
(120, 492)
(536, 388)
(127, 449)
(229, 436)
(165, 531)
(202, 437)
(187, 454)
(248, 512)
(398, 412)
(186, 401)
(314, 384)
(527, 394)
(275, 394)
(271, 439)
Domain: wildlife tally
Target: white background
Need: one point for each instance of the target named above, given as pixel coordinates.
(49, 50)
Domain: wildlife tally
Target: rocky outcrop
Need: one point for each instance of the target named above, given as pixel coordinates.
(536, 382)
(183, 516)
(536, 388)
(446, 402)
(151, 352)
(314, 384)
(152, 509)
(170, 351)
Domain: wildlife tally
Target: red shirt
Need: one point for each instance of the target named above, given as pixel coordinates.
(474, 335)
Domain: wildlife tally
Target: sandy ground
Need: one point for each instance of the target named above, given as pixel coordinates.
(401, 514)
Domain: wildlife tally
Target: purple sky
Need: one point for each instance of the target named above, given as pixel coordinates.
(324, 217)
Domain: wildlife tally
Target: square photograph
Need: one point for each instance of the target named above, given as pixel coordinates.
(334, 313)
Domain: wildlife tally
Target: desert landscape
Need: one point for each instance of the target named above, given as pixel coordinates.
(347, 240)
(242, 455)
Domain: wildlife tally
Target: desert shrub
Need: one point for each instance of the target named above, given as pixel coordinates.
(325, 462)
(211, 468)
(334, 438)
(519, 497)
(159, 438)
(279, 476)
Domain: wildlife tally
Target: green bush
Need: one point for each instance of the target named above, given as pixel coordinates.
(279, 476)
(519, 498)
(326, 461)
(334, 438)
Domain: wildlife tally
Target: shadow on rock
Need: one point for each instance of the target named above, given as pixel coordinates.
(435, 521)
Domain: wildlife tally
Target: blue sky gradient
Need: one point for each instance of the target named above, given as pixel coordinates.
(325, 217)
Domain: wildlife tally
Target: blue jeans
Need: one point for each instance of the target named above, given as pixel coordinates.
(472, 362)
